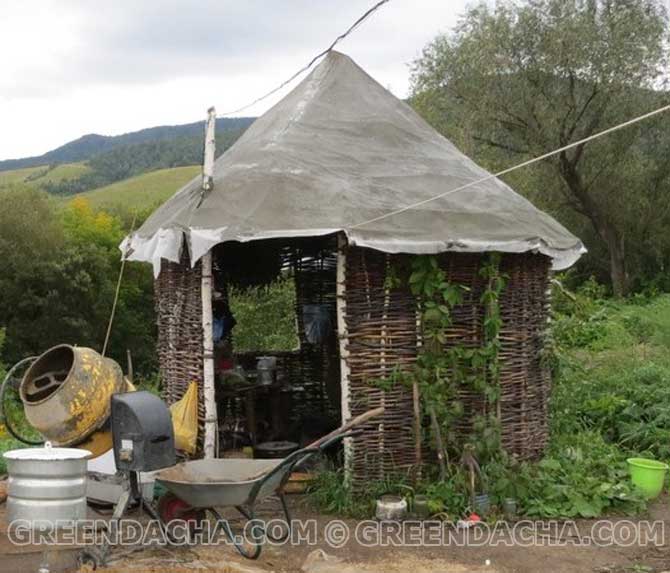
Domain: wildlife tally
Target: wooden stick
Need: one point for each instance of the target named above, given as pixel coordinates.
(416, 400)
(438, 443)
(131, 373)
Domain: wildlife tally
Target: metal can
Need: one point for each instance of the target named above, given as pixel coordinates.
(46, 486)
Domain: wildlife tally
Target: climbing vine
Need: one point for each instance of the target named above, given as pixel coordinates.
(443, 367)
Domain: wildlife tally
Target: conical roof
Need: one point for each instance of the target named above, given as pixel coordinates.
(339, 151)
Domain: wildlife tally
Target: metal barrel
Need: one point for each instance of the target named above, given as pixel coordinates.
(46, 486)
(66, 393)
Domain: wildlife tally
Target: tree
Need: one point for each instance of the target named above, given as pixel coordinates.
(60, 267)
(519, 80)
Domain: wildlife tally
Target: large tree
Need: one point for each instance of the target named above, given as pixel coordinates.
(521, 79)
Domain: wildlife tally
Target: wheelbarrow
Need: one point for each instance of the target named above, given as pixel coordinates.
(202, 486)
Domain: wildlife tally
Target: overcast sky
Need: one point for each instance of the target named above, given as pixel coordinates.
(68, 67)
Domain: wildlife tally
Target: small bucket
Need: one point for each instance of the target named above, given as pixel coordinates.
(647, 475)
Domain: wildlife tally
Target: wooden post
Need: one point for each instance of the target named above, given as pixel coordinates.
(344, 352)
(211, 421)
(416, 402)
(210, 148)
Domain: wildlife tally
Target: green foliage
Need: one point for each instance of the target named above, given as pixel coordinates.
(582, 476)
(443, 369)
(265, 317)
(613, 356)
(6, 444)
(3, 334)
(515, 80)
(622, 378)
(60, 271)
(330, 493)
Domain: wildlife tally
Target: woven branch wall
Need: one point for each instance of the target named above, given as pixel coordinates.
(317, 368)
(383, 332)
(313, 370)
(180, 341)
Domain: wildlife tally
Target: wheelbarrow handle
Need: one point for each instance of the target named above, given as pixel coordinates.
(357, 421)
(330, 441)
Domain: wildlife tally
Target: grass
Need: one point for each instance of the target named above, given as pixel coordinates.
(17, 175)
(37, 176)
(146, 190)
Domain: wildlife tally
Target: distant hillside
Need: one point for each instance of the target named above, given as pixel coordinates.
(93, 144)
(44, 175)
(142, 192)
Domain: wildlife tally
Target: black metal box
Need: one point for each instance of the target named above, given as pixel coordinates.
(142, 432)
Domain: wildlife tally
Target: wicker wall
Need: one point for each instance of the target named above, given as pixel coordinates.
(382, 329)
(317, 368)
(180, 343)
(382, 333)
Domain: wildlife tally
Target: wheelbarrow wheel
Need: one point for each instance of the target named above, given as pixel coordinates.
(89, 560)
(248, 548)
(171, 508)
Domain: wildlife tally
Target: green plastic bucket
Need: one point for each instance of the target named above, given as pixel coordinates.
(647, 475)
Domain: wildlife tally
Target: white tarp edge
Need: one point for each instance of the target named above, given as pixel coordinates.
(168, 243)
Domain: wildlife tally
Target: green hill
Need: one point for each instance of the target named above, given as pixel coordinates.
(88, 146)
(43, 174)
(144, 191)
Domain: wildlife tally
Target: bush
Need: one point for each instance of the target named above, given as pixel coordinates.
(265, 317)
(60, 271)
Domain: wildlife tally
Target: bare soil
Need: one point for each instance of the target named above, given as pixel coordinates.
(577, 553)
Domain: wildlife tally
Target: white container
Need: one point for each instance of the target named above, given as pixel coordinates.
(46, 486)
(391, 508)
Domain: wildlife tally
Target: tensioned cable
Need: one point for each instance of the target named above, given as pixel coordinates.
(315, 59)
(515, 167)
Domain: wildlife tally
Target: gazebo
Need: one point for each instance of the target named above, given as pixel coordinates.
(338, 182)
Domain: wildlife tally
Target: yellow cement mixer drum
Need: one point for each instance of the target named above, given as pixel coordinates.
(66, 393)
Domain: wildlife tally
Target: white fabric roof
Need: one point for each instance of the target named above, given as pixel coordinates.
(337, 151)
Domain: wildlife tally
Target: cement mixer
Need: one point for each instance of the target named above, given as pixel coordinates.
(66, 394)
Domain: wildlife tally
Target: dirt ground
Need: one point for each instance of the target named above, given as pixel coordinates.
(564, 547)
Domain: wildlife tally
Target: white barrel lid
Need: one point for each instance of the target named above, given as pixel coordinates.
(47, 453)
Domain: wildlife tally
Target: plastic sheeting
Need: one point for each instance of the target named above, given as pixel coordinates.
(337, 151)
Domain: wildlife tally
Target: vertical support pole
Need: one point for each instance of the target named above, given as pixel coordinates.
(210, 148)
(341, 289)
(211, 422)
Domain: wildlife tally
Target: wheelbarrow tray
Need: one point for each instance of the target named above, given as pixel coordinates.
(221, 482)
